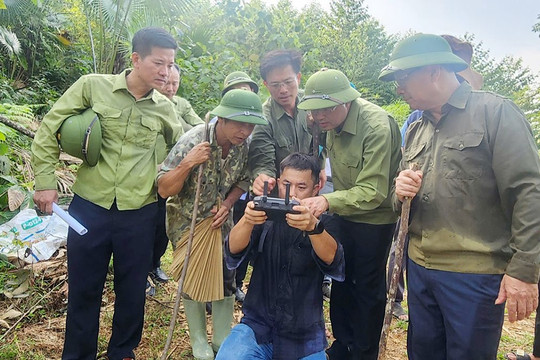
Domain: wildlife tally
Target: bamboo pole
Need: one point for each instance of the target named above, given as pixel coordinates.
(188, 252)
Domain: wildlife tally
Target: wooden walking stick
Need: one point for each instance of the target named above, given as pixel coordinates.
(164, 354)
(399, 247)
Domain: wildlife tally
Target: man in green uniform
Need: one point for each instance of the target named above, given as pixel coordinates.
(287, 130)
(184, 111)
(116, 198)
(364, 147)
(474, 224)
(225, 178)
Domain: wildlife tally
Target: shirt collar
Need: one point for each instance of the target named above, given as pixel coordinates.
(350, 121)
(460, 96)
(278, 111)
(120, 83)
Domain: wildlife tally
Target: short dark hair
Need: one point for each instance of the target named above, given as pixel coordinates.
(302, 162)
(280, 58)
(147, 38)
(177, 68)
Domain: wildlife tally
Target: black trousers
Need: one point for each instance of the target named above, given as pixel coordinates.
(161, 240)
(128, 236)
(357, 304)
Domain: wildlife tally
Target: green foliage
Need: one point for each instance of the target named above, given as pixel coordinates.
(112, 24)
(399, 110)
(536, 27)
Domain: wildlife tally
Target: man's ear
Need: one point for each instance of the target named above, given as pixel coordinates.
(298, 77)
(316, 189)
(135, 59)
(435, 72)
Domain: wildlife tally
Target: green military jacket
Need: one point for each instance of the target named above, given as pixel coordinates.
(219, 177)
(282, 136)
(127, 165)
(478, 208)
(364, 157)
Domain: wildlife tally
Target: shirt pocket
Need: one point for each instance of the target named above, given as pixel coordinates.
(415, 154)
(463, 157)
(350, 168)
(146, 132)
(110, 118)
(283, 143)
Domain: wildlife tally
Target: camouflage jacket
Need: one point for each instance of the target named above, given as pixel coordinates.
(219, 177)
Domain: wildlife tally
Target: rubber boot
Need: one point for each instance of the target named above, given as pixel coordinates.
(196, 318)
(222, 315)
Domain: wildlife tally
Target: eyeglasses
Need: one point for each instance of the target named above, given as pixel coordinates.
(288, 83)
(322, 111)
(400, 79)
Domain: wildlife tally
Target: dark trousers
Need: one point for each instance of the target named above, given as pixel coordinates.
(357, 304)
(128, 236)
(161, 240)
(452, 315)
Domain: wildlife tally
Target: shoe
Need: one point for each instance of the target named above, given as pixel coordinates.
(239, 295)
(150, 288)
(399, 313)
(159, 275)
(222, 316)
(518, 355)
(326, 290)
(196, 319)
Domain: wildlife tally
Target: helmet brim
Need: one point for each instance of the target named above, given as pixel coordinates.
(252, 84)
(448, 59)
(311, 102)
(235, 114)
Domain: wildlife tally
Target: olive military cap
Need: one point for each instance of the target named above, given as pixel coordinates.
(238, 77)
(241, 105)
(80, 136)
(421, 50)
(326, 88)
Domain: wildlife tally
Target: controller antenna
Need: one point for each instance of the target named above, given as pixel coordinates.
(265, 191)
(287, 193)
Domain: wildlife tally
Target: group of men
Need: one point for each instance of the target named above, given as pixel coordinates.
(473, 232)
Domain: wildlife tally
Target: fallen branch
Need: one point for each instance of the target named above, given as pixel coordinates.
(160, 302)
(12, 124)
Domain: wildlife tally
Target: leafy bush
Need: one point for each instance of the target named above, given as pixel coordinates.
(400, 110)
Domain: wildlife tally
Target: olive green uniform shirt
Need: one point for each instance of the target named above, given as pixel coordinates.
(478, 209)
(219, 177)
(186, 117)
(126, 169)
(185, 113)
(364, 157)
(282, 136)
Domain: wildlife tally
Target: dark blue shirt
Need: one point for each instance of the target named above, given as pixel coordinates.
(284, 303)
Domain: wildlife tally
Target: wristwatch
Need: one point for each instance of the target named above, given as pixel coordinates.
(319, 228)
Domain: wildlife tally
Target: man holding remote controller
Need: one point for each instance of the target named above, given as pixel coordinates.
(283, 316)
(363, 143)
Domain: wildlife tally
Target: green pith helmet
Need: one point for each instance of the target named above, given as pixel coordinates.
(327, 88)
(241, 105)
(421, 50)
(238, 77)
(80, 136)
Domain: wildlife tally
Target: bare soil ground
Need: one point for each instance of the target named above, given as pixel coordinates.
(40, 333)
